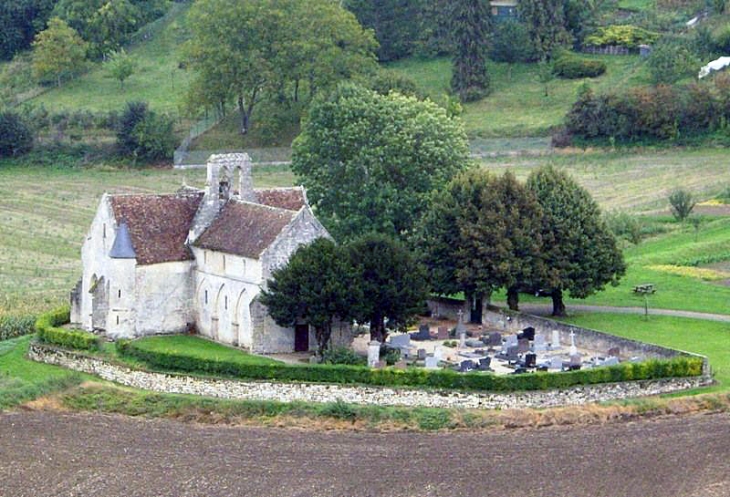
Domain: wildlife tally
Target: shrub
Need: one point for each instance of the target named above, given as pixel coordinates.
(670, 61)
(621, 35)
(16, 137)
(15, 326)
(342, 355)
(681, 203)
(412, 377)
(624, 225)
(572, 67)
(47, 323)
(143, 134)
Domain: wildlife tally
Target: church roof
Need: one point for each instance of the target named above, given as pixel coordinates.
(291, 199)
(122, 247)
(245, 229)
(158, 224)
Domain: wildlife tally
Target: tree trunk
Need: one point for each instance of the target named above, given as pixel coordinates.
(477, 304)
(558, 304)
(377, 328)
(323, 335)
(513, 299)
(244, 115)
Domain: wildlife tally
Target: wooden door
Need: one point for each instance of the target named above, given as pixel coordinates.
(301, 338)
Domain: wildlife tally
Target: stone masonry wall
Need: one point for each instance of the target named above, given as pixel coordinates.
(309, 392)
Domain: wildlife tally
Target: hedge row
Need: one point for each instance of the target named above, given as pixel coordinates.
(47, 323)
(15, 326)
(657, 112)
(572, 67)
(414, 377)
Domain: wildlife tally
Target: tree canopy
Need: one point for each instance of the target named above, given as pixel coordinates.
(20, 21)
(317, 286)
(58, 52)
(582, 256)
(470, 27)
(282, 50)
(370, 161)
(545, 21)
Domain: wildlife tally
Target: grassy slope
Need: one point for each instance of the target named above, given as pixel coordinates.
(157, 80)
(701, 337)
(517, 106)
(46, 212)
(200, 348)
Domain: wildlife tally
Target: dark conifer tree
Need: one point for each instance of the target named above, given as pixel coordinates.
(470, 24)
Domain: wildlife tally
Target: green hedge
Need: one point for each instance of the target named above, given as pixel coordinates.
(571, 67)
(15, 326)
(47, 323)
(414, 377)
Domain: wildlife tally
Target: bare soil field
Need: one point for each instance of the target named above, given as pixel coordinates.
(46, 453)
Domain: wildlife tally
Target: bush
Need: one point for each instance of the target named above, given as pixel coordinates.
(47, 323)
(143, 134)
(682, 203)
(16, 137)
(572, 67)
(621, 35)
(342, 355)
(412, 377)
(624, 225)
(15, 326)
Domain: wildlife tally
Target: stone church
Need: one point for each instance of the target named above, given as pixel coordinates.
(195, 260)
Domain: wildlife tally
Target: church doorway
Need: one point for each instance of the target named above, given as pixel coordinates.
(301, 338)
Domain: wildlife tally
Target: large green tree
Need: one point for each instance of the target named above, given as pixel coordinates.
(58, 52)
(470, 22)
(483, 234)
(282, 50)
(391, 284)
(546, 24)
(370, 161)
(582, 256)
(20, 21)
(317, 286)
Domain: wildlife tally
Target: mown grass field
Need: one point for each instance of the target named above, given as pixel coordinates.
(517, 105)
(158, 79)
(200, 348)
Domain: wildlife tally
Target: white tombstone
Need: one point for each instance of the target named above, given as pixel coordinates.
(373, 353)
(431, 363)
(611, 361)
(400, 341)
(539, 345)
(573, 348)
(510, 341)
(438, 353)
(462, 339)
(556, 340)
(556, 364)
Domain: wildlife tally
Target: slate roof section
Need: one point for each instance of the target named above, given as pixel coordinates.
(245, 229)
(158, 224)
(122, 247)
(291, 199)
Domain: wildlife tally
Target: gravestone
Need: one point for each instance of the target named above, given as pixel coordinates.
(539, 345)
(438, 352)
(555, 344)
(510, 341)
(421, 354)
(443, 333)
(484, 363)
(611, 361)
(401, 364)
(556, 364)
(399, 341)
(614, 352)
(573, 348)
(462, 339)
(529, 333)
(474, 343)
(379, 365)
(495, 339)
(465, 366)
(576, 361)
(512, 354)
(431, 363)
(373, 353)
(530, 360)
(523, 345)
(423, 333)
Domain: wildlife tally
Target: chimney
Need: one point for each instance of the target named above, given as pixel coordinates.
(245, 179)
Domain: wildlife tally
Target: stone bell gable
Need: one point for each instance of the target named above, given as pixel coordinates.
(197, 258)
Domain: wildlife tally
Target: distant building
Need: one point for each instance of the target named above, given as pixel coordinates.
(195, 260)
(503, 9)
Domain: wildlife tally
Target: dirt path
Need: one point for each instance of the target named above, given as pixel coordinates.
(43, 453)
(546, 310)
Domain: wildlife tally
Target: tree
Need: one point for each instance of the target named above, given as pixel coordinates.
(511, 43)
(394, 24)
(144, 134)
(545, 21)
(317, 286)
(470, 27)
(20, 21)
(579, 250)
(370, 161)
(121, 66)
(58, 52)
(391, 284)
(16, 137)
(483, 234)
(669, 62)
(270, 49)
(682, 203)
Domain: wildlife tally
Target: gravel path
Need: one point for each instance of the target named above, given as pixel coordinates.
(52, 454)
(547, 309)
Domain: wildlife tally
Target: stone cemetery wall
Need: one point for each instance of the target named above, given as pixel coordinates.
(310, 392)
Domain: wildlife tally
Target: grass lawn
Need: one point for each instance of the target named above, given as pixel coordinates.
(517, 105)
(22, 380)
(708, 338)
(201, 348)
(157, 80)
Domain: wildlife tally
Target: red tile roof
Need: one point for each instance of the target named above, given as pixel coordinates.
(158, 224)
(284, 198)
(245, 229)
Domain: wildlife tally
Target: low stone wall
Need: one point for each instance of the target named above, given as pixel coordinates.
(308, 392)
